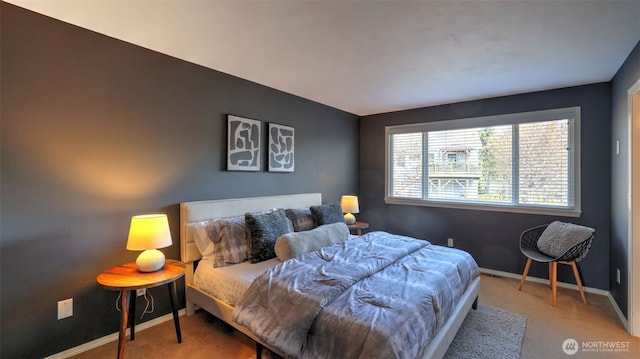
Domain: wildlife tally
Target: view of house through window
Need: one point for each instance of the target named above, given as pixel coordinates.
(514, 161)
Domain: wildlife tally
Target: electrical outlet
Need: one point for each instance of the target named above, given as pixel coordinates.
(618, 275)
(140, 292)
(65, 308)
(450, 242)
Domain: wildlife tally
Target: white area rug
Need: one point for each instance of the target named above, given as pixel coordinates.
(486, 333)
(489, 332)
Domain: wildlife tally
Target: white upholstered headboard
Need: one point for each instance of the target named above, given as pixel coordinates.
(193, 212)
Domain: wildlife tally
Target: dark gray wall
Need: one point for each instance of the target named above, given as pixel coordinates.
(492, 237)
(95, 130)
(626, 77)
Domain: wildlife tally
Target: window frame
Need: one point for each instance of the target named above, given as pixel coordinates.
(571, 113)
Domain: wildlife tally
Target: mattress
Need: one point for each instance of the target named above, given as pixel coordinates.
(229, 283)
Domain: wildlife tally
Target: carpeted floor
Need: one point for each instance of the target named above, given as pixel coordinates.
(488, 332)
(547, 327)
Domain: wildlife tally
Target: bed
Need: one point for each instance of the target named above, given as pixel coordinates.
(221, 290)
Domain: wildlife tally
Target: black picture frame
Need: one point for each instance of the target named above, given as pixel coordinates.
(281, 148)
(243, 144)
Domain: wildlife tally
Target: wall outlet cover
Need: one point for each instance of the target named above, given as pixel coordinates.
(65, 308)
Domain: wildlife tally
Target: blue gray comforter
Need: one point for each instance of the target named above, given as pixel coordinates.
(376, 296)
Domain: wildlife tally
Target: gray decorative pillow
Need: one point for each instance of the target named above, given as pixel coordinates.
(264, 229)
(291, 245)
(558, 237)
(223, 240)
(327, 214)
(230, 242)
(302, 219)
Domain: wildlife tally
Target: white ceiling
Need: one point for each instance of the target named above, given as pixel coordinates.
(368, 57)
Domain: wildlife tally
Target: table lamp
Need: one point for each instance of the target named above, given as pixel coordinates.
(349, 205)
(147, 233)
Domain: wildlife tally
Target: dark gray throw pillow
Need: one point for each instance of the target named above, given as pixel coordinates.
(302, 219)
(327, 214)
(264, 229)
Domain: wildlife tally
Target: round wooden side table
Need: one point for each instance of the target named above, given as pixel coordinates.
(358, 226)
(128, 279)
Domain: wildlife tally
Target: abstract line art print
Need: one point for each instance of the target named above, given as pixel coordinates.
(281, 151)
(243, 144)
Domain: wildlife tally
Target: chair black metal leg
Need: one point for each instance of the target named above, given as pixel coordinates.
(258, 350)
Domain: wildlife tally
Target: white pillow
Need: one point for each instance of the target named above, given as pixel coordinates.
(202, 240)
(291, 245)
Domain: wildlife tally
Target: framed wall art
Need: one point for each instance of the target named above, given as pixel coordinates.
(243, 144)
(281, 149)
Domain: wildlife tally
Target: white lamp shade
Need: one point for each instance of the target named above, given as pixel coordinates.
(349, 204)
(149, 231)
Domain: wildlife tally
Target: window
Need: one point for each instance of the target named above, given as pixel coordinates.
(526, 162)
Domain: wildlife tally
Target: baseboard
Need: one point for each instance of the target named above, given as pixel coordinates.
(621, 316)
(543, 281)
(112, 337)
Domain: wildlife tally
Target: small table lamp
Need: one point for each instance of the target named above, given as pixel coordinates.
(349, 205)
(148, 232)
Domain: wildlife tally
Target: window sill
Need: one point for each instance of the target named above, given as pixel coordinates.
(487, 207)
